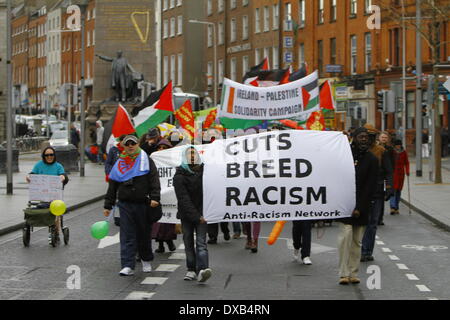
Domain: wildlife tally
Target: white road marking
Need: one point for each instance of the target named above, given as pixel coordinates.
(109, 241)
(168, 267)
(181, 247)
(386, 250)
(154, 280)
(402, 266)
(394, 258)
(140, 295)
(178, 256)
(422, 288)
(380, 243)
(411, 276)
(432, 298)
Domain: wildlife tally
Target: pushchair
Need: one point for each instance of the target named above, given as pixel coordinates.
(37, 214)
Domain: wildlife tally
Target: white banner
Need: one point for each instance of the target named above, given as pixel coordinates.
(279, 175)
(45, 188)
(241, 101)
(167, 162)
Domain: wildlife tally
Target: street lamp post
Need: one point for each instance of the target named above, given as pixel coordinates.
(83, 98)
(418, 91)
(9, 115)
(215, 54)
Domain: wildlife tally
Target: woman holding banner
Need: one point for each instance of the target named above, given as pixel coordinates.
(188, 185)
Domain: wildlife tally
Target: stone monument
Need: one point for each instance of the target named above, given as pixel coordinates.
(125, 26)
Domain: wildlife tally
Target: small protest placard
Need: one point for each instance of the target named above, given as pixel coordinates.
(45, 188)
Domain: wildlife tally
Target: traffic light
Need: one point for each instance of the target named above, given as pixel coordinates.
(79, 95)
(380, 100)
(424, 110)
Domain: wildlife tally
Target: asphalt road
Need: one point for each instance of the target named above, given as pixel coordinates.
(411, 262)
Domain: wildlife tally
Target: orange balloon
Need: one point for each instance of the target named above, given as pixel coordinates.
(276, 231)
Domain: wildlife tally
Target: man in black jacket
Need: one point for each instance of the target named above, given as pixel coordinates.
(188, 185)
(134, 180)
(352, 229)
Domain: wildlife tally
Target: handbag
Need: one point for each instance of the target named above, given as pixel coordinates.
(155, 214)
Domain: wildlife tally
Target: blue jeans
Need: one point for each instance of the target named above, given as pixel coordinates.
(395, 199)
(368, 241)
(237, 227)
(196, 253)
(135, 233)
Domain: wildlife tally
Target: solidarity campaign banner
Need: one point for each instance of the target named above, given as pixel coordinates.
(240, 101)
(279, 175)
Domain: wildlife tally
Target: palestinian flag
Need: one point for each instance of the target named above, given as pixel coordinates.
(268, 78)
(326, 97)
(300, 73)
(154, 110)
(119, 124)
(253, 73)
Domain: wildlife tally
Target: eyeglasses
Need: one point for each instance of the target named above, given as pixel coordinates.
(49, 155)
(130, 143)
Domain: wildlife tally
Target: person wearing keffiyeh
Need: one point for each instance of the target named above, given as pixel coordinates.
(134, 181)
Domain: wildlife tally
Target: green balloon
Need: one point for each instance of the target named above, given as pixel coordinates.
(100, 229)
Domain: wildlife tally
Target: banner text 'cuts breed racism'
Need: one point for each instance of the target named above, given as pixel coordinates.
(279, 175)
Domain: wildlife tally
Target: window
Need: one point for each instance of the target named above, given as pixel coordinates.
(257, 21)
(320, 55)
(166, 69)
(267, 53)
(333, 51)
(320, 12)
(166, 29)
(245, 3)
(180, 25)
(180, 69)
(210, 73)
(233, 4)
(257, 56)
(245, 65)
(233, 75)
(172, 68)
(275, 16)
(353, 8)
(266, 19)
(165, 4)
(275, 54)
(233, 30)
(209, 7)
(220, 71)
(179, 3)
(172, 27)
(221, 33)
(220, 5)
(210, 36)
(367, 5)
(333, 10)
(172, 4)
(244, 27)
(301, 13)
(353, 51)
(368, 51)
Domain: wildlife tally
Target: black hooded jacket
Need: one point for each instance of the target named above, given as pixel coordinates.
(189, 191)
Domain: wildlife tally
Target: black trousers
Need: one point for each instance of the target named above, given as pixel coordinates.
(301, 234)
(135, 233)
(213, 229)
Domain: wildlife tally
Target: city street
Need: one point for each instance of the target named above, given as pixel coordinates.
(412, 255)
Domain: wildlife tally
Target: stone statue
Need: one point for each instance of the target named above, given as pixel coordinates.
(124, 79)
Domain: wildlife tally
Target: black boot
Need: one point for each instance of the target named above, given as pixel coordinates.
(171, 245)
(160, 247)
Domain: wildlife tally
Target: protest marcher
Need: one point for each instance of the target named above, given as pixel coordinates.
(188, 185)
(237, 230)
(49, 166)
(213, 232)
(301, 235)
(113, 156)
(149, 141)
(384, 178)
(99, 140)
(74, 136)
(444, 141)
(352, 229)
(386, 142)
(252, 230)
(425, 146)
(134, 181)
(164, 232)
(400, 169)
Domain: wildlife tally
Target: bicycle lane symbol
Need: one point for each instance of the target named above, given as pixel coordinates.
(433, 248)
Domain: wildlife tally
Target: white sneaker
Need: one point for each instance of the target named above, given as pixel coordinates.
(127, 271)
(190, 275)
(307, 261)
(204, 275)
(295, 254)
(146, 266)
